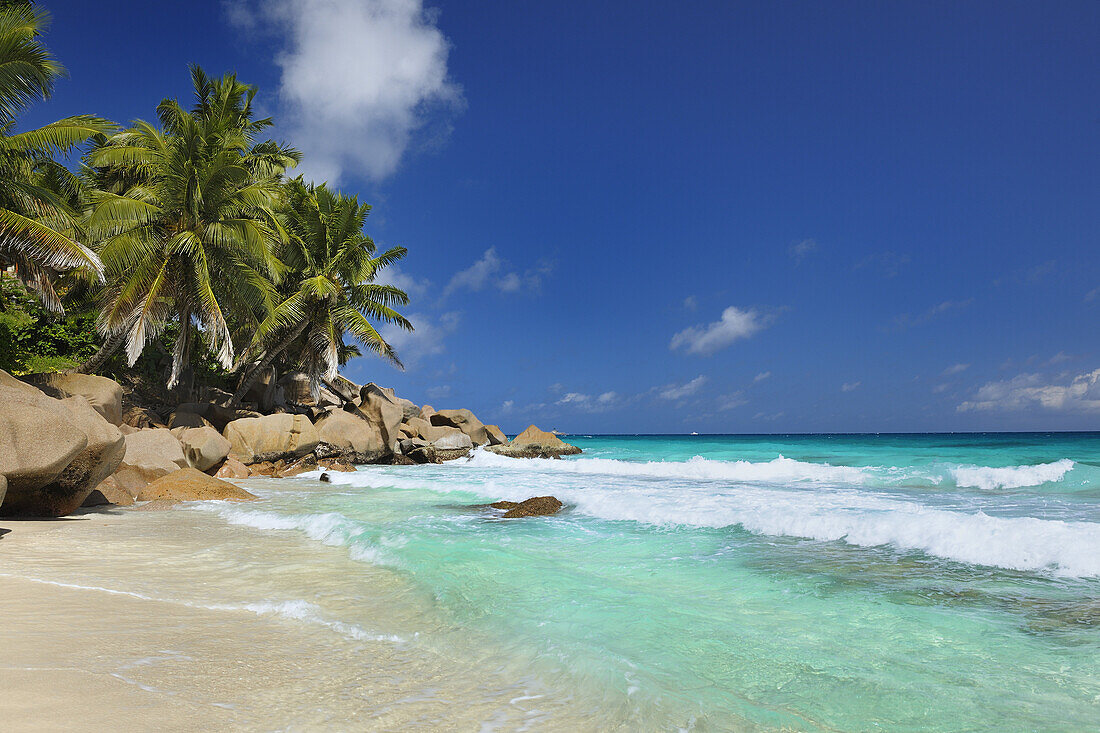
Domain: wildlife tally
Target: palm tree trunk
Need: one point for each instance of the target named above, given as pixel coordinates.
(106, 351)
(268, 360)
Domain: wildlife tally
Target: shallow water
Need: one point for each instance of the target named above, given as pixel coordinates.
(898, 582)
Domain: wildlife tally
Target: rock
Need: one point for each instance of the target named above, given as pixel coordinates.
(218, 416)
(52, 452)
(327, 399)
(408, 408)
(189, 484)
(352, 436)
(332, 464)
(296, 388)
(345, 388)
(141, 417)
(204, 447)
(232, 468)
(104, 395)
(150, 454)
(451, 455)
(109, 492)
(465, 421)
(38, 440)
(262, 391)
(3, 487)
(426, 412)
(454, 440)
(302, 465)
(271, 437)
(423, 454)
(496, 435)
(160, 505)
(380, 407)
(396, 459)
(325, 478)
(535, 507)
(535, 443)
(264, 468)
(180, 419)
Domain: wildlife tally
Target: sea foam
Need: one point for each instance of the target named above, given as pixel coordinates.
(1011, 477)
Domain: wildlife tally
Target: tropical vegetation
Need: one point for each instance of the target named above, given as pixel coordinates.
(180, 252)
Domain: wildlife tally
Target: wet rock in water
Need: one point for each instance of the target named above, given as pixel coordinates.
(232, 468)
(535, 443)
(335, 464)
(535, 507)
(325, 478)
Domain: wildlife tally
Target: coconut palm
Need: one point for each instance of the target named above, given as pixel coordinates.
(330, 288)
(40, 233)
(186, 219)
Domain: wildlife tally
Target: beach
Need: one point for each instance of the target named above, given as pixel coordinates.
(695, 583)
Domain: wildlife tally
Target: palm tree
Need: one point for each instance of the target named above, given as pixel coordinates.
(186, 219)
(40, 229)
(330, 289)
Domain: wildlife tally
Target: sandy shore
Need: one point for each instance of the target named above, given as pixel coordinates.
(123, 620)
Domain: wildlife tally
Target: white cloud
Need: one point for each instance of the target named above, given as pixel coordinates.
(706, 339)
(850, 386)
(1029, 390)
(491, 271)
(731, 401)
(588, 403)
(359, 77)
(940, 388)
(801, 250)
(395, 276)
(762, 376)
(507, 406)
(690, 303)
(955, 369)
(679, 391)
(426, 338)
(441, 392)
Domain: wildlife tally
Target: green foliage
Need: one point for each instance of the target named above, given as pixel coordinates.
(40, 227)
(32, 339)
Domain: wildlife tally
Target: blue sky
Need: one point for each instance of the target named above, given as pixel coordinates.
(666, 217)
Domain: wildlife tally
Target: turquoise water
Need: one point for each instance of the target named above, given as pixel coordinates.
(838, 582)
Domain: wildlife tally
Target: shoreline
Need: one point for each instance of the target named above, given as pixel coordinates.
(89, 648)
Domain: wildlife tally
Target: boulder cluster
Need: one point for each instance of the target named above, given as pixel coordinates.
(71, 440)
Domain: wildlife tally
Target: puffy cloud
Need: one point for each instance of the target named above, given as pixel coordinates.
(585, 402)
(955, 369)
(679, 391)
(1082, 392)
(359, 77)
(707, 339)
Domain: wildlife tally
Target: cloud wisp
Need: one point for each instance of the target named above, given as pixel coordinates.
(799, 251)
(680, 391)
(491, 271)
(710, 338)
(358, 79)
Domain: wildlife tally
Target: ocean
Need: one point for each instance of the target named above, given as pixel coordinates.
(945, 582)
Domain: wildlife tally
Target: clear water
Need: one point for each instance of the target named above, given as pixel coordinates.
(835, 582)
